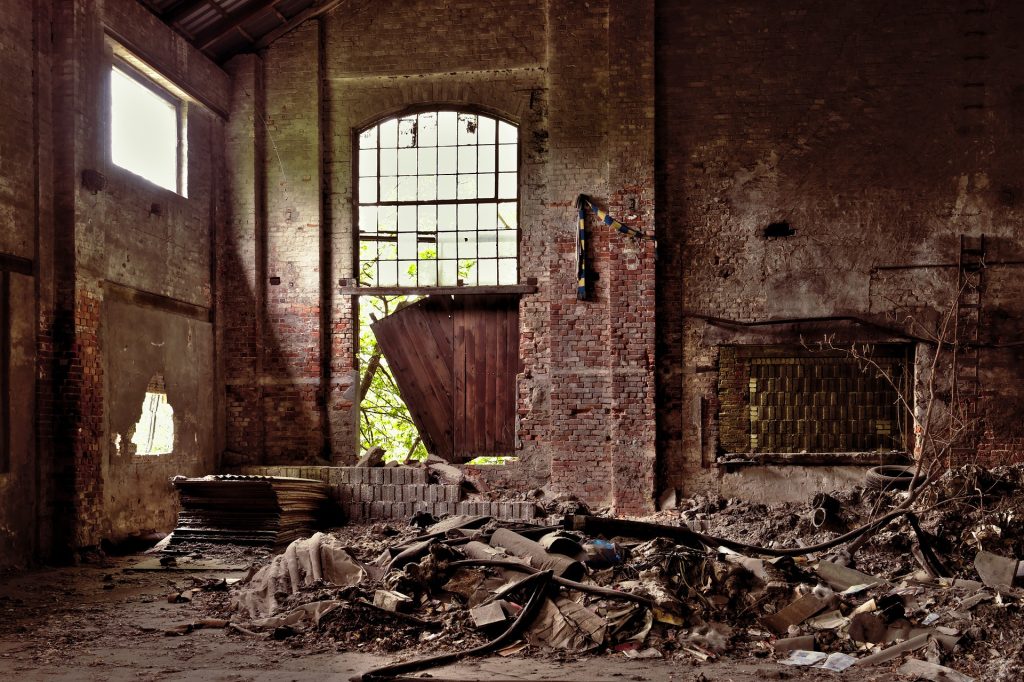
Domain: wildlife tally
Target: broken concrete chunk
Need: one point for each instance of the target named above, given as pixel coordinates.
(374, 457)
(794, 614)
(923, 670)
(489, 615)
(389, 600)
(994, 570)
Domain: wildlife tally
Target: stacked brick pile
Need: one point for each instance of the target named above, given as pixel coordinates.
(375, 493)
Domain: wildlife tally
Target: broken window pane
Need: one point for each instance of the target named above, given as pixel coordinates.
(430, 170)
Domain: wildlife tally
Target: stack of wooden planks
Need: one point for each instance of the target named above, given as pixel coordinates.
(247, 510)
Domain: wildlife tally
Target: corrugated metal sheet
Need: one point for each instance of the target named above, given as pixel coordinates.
(223, 28)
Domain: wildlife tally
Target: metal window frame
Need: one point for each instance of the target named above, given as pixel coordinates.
(358, 238)
(180, 158)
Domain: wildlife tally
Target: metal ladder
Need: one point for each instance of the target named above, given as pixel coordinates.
(967, 334)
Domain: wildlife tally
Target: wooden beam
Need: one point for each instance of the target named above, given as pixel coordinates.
(308, 13)
(12, 263)
(233, 21)
(438, 291)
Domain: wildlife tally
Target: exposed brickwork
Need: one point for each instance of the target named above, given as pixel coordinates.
(586, 392)
(375, 493)
(852, 125)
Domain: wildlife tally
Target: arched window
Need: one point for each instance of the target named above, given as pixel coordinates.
(438, 199)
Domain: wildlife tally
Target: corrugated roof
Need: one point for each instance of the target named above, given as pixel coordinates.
(224, 28)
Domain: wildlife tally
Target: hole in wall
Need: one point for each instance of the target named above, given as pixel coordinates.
(779, 229)
(153, 434)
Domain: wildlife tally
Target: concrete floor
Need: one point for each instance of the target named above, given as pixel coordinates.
(102, 623)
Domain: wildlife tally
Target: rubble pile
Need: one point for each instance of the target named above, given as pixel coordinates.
(931, 593)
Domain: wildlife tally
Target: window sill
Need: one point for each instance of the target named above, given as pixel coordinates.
(438, 291)
(732, 461)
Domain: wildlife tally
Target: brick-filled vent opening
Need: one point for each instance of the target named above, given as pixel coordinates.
(784, 399)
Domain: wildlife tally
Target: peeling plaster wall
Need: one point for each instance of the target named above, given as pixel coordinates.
(26, 233)
(141, 343)
(127, 236)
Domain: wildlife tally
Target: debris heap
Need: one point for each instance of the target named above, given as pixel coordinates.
(247, 510)
(918, 599)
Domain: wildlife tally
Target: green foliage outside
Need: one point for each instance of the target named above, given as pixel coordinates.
(384, 418)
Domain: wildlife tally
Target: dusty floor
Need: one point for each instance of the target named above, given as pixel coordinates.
(104, 622)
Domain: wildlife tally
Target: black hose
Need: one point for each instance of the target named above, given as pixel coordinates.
(540, 581)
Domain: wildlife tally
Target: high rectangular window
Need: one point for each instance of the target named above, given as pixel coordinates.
(145, 129)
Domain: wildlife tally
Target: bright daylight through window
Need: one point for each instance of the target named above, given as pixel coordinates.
(144, 130)
(438, 201)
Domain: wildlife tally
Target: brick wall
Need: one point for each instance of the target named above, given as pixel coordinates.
(880, 133)
(581, 92)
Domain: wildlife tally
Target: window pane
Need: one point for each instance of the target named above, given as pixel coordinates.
(485, 159)
(406, 218)
(407, 132)
(467, 245)
(388, 188)
(446, 218)
(367, 163)
(407, 273)
(368, 219)
(367, 190)
(426, 269)
(446, 245)
(144, 131)
(487, 216)
(507, 185)
(467, 217)
(407, 245)
(427, 218)
(485, 185)
(467, 186)
(427, 136)
(507, 271)
(407, 188)
(507, 243)
(389, 134)
(467, 159)
(507, 133)
(507, 215)
(388, 162)
(446, 157)
(447, 273)
(445, 187)
(507, 160)
(487, 272)
(407, 162)
(428, 161)
(487, 244)
(427, 188)
(486, 131)
(387, 273)
(467, 129)
(387, 218)
(368, 138)
(447, 128)
(467, 272)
